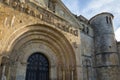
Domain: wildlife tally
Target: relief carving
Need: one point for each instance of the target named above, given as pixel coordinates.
(75, 45)
(39, 16)
(9, 21)
(28, 10)
(1, 33)
(14, 4)
(22, 1)
(21, 7)
(12, 21)
(33, 13)
(5, 21)
(45, 16)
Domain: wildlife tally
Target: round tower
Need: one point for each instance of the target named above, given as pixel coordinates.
(106, 56)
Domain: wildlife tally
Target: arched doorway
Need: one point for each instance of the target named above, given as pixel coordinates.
(47, 40)
(37, 67)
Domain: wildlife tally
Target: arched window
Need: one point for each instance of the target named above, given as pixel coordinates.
(110, 20)
(107, 19)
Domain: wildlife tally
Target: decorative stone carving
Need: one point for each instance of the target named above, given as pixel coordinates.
(12, 21)
(3, 73)
(52, 5)
(45, 16)
(33, 13)
(22, 1)
(5, 21)
(75, 44)
(1, 32)
(28, 10)
(22, 5)
(14, 4)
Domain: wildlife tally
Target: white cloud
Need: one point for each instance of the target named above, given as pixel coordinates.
(98, 6)
(95, 7)
(117, 34)
(72, 5)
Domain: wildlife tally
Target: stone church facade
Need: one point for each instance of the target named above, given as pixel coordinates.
(43, 40)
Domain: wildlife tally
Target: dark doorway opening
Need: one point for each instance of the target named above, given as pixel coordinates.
(37, 67)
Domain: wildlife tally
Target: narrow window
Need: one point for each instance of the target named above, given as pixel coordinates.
(87, 30)
(83, 28)
(107, 19)
(110, 20)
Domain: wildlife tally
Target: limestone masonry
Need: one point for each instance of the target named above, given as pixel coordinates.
(43, 40)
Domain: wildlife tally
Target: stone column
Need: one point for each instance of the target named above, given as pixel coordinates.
(3, 73)
(72, 73)
(68, 74)
(8, 75)
(0, 66)
(63, 75)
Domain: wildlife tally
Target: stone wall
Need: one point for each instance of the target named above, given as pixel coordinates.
(118, 50)
(76, 50)
(87, 52)
(25, 30)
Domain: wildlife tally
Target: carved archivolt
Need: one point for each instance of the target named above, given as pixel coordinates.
(51, 42)
(47, 35)
(43, 15)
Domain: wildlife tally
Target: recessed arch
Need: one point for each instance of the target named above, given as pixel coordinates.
(47, 36)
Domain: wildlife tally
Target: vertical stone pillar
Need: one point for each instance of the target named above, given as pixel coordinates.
(0, 67)
(63, 75)
(72, 73)
(3, 73)
(8, 75)
(59, 72)
(68, 74)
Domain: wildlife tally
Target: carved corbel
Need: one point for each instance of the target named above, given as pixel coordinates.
(39, 16)
(28, 11)
(14, 4)
(76, 32)
(21, 6)
(33, 13)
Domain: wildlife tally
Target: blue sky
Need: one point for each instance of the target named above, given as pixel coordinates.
(89, 8)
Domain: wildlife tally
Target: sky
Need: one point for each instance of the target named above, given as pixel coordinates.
(89, 8)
